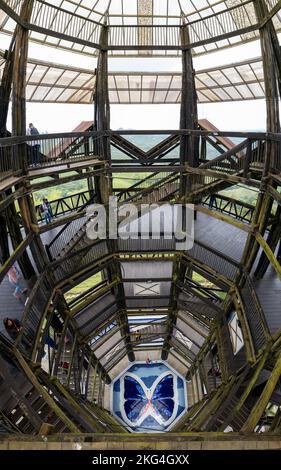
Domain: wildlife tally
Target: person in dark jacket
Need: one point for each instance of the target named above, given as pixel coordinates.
(34, 146)
(13, 327)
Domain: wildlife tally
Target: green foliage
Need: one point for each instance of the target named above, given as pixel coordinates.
(83, 287)
(242, 194)
(60, 191)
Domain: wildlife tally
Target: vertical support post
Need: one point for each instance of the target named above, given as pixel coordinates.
(19, 72)
(189, 149)
(6, 86)
(271, 58)
(94, 382)
(263, 400)
(4, 240)
(103, 183)
(16, 67)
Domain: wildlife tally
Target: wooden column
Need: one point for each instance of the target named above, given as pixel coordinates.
(103, 183)
(264, 398)
(102, 117)
(272, 241)
(16, 238)
(4, 241)
(188, 154)
(271, 58)
(19, 127)
(179, 270)
(15, 76)
(5, 93)
(19, 72)
(188, 113)
(6, 88)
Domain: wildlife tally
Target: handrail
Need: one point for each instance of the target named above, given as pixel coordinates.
(211, 201)
(31, 138)
(62, 201)
(144, 191)
(189, 132)
(81, 209)
(235, 201)
(229, 153)
(130, 198)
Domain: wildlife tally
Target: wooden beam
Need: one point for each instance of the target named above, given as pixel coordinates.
(263, 400)
(44, 393)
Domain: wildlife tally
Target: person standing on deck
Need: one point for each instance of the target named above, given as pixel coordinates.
(46, 210)
(34, 144)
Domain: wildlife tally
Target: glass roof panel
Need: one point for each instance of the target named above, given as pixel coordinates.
(139, 12)
(52, 75)
(135, 81)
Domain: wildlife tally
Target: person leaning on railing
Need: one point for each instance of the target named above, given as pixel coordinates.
(34, 146)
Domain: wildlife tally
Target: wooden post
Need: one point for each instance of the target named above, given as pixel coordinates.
(271, 69)
(19, 72)
(44, 393)
(94, 382)
(103, 183)
(6, 87)
(16, 239)
(178, 276)
(272, 241)
(4, 241)
(189, 149)
(263, 400)
(15, 74)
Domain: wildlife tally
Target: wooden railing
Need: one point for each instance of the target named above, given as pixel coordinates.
(95, 256)
(42, 151)
(214, 259)
(64, 205)
(144, 37)
(148, 185)
(18, 154)
(250, 155)
(238, 209)
(69, 236)
(65, 235)
(256, 319)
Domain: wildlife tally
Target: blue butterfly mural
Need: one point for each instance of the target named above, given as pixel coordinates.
(157, 401)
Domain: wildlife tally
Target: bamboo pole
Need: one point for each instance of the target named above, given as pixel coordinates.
(263, 400)
(45, 395)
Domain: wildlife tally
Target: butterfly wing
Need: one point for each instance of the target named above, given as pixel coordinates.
(135, 398)
(163, 397)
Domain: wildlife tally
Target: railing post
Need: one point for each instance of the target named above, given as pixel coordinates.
(248, 158)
